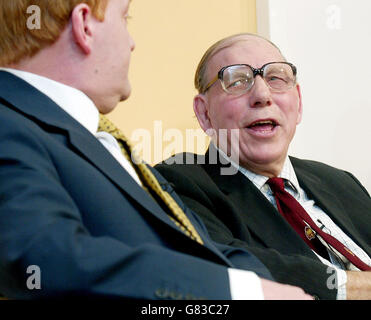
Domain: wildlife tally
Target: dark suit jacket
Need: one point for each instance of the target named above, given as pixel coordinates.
(67, 206)
(238, 214)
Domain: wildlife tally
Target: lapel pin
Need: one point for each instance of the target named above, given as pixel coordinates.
(309, 233)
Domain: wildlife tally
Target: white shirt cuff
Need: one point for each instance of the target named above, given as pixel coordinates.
(245, 285)
(341, 281)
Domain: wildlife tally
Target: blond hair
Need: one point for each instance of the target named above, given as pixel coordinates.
(200, 76)
(17, 41)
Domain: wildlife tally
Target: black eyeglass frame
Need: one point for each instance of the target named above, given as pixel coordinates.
(258, 71)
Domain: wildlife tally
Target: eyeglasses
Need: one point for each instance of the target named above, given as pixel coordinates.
(240, 78)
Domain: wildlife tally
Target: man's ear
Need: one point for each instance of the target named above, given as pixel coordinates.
(82, 19)
(300, 111)
(200, 108)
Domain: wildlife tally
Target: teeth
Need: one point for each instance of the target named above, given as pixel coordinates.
(263, 122)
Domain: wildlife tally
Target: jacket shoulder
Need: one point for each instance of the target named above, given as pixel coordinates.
(334, 176)
(187, 173)
(312, 164)
(184, 163)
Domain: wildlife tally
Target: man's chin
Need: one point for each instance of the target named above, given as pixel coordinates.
(126, 93)
(109, 105)
(124, 97)
(113, 105)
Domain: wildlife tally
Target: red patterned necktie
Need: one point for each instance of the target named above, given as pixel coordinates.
(302, 223)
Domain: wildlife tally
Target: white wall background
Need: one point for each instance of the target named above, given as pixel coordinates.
(330, 43)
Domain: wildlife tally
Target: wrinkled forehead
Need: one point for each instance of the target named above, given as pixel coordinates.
(250, 50)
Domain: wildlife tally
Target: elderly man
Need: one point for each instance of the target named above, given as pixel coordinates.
(77, 216)
(298, 217)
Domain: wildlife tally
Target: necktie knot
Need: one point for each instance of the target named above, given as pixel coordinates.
(276, 184)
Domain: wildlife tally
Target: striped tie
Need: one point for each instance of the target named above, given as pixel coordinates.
(150, 183)
(303, 224)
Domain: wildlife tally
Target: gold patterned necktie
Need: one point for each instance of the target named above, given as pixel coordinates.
(150, 183)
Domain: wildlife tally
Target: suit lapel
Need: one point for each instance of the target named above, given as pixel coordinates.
(97, 154)
(41, 109)
(318, 189)
(260, 216)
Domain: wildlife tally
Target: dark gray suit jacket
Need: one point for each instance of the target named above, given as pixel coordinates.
(238, 214)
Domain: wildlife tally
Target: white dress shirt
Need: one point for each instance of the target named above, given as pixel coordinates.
(244, 285)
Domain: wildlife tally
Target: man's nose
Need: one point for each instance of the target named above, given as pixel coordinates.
(260, 94)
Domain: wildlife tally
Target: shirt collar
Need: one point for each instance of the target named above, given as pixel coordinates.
(287, 173)
(76, 103)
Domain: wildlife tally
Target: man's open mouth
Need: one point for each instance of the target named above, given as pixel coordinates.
(263, 125)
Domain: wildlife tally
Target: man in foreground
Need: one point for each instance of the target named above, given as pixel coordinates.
(282, 209)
